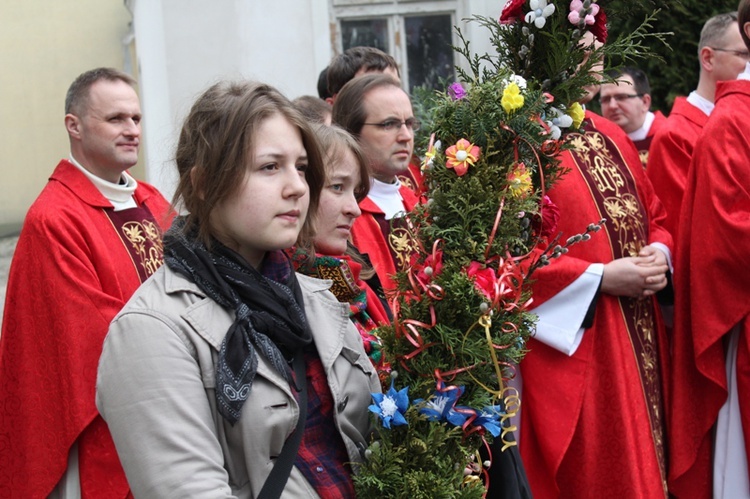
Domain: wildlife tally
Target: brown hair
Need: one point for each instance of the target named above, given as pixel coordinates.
(312, 108)
(78, 93)
(345, 66)
(216, 143)
(334, 141)
(349, 109)
(743, 17)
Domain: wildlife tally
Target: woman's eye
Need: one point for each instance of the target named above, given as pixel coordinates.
(337, 187)
(302, 167)
(269, 166)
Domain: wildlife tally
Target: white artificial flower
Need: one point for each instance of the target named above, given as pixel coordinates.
(539, 13)
(554, 131)
(560, 119)
(518, 80)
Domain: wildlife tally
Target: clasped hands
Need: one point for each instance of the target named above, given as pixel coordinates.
(638, 277)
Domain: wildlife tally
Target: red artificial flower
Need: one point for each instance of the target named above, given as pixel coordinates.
(599, 28)
(512, 11)
(435, 262)
(550, 218)
(484, 279)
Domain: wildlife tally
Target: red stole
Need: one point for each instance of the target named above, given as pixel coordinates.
(141, 237)
(614, 191)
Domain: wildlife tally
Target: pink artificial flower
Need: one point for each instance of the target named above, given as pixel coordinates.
(596, 19)
(576, 6)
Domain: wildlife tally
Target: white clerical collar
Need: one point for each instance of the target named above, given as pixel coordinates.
(120, 195)
(701, 103)
(387, 197)
(745, 75)
(642, 132)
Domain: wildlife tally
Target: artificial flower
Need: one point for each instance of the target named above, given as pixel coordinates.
(442, 406)
(518, 80)
(512, 98)
(599, 28)
(432, 150)
(484, 279)
(554, 131)
(576, 112)
(391, 406)
(512, 11)
(580, 15)
(489, 419)
(539, 13)
(456, 91)
(461, 155)
(550, 217)
(519, 181)
(431, 267)
(560, 119)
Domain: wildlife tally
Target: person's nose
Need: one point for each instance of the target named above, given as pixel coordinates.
(296, 185)
(351, 208)
(132, 128)
(405, 133)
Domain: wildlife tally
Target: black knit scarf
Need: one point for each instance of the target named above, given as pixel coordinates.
(269, 313)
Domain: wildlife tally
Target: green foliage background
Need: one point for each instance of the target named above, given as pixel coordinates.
(677, 74)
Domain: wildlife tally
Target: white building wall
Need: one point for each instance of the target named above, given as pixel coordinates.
(183, 46)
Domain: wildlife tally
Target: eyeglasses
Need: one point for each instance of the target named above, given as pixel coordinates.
(744, 54)
(391, 125)
(618, 98)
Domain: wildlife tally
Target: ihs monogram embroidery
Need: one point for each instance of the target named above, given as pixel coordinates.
(145, 239)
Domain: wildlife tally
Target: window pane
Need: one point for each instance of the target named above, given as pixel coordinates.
(365, 32)
(428, 50)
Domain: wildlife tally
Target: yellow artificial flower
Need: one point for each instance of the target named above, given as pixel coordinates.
(576, 112)
(461, 155)
(512, 98)
(519, 181)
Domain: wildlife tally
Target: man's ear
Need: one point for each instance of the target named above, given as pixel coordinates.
(647, 101)
(73, 125)
(706, 58)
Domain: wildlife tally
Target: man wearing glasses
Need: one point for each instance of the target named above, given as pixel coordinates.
(722, 56)
(710, 416)
(627, 103)
(376, 110)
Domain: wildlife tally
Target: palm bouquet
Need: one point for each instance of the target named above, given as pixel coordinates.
(461, 311)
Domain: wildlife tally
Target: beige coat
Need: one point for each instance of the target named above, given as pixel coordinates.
(156, 382)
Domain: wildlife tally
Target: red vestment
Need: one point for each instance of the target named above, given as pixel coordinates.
(72, 271)
(670, 155)
(389, 249)
(712, 280)
(592, 422)
(644, 145)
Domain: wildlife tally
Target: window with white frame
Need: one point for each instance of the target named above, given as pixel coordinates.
(418, 34)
